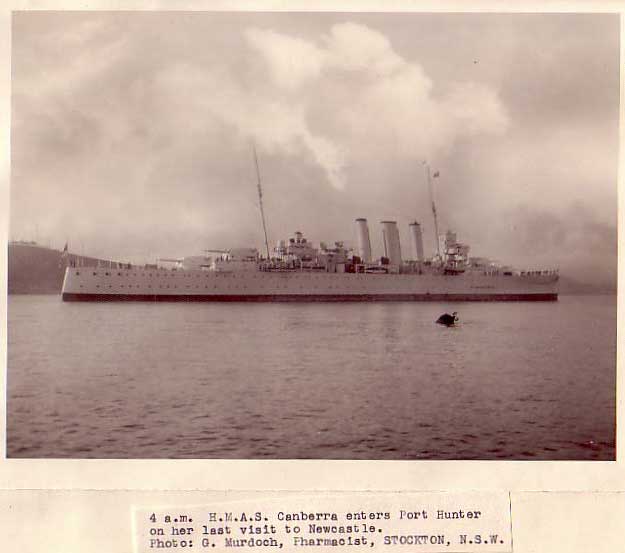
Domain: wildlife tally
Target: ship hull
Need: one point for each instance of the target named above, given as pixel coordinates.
(310, 297)
(146, 285)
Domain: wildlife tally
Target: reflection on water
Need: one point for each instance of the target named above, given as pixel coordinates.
(334, 381)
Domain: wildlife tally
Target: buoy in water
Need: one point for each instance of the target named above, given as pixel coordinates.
(447, 319)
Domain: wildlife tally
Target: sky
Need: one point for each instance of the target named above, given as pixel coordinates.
(132, 134)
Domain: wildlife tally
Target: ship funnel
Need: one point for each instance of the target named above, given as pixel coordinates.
(363, 240)
(417, 241)
(392, 249)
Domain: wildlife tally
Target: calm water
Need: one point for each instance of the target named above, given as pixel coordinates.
(335, 381)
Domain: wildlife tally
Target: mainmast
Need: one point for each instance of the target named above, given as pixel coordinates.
(438, 246)
(260, 201)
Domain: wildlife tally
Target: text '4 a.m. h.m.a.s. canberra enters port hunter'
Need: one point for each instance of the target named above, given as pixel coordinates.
(298, 271)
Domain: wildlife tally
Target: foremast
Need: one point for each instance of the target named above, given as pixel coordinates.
(260, 201)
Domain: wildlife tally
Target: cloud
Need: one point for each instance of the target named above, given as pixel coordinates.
(272, 124)
(474, 108)
(375, 101)
(355, 47)
(292, 61)
(336, 101)
(345, 97)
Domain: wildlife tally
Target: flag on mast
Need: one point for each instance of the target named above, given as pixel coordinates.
(64, 256)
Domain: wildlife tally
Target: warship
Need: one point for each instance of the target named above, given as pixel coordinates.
(296, 270)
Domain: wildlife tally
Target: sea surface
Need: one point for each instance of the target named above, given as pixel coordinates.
(316, 381)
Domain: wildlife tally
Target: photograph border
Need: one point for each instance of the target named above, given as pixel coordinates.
(308, 475)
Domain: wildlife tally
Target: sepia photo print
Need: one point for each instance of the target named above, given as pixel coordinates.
(313, 235)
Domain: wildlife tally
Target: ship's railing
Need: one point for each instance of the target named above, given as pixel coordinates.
(515, 272)
(76, 261)
(539, 272)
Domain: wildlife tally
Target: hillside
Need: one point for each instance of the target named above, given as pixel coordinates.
(34, 269)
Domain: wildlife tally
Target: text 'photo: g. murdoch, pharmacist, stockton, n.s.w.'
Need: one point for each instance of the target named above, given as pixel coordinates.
(232, 235)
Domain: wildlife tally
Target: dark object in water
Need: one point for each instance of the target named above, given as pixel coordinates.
(447, 319)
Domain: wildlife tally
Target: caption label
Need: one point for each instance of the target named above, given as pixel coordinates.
(426, 522)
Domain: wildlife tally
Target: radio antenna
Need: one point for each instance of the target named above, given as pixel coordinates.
(260, 200)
